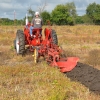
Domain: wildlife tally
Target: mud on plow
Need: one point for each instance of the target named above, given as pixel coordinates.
(47, 48)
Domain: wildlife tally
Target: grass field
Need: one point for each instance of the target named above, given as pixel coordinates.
(21, 79)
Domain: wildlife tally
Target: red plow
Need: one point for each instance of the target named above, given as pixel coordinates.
(47, 48)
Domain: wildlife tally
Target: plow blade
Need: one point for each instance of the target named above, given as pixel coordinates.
(68, 64)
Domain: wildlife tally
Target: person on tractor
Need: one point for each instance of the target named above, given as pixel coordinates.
(37, 22)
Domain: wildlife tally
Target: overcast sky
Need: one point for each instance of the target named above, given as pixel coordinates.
(7, 7)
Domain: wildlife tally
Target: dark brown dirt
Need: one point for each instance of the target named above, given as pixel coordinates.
(87, 75)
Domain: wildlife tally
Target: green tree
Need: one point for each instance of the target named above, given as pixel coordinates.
(61, 16)
(93, 11)
(71, 9)
(6, 21)
(86, 19)
(64, 14)
(83, 20)
(79, 20)
(31, 12)
(45, 16)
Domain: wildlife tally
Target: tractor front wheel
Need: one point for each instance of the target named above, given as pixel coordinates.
(20, 42)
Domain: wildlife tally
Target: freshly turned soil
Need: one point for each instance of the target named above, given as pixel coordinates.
(86, 75)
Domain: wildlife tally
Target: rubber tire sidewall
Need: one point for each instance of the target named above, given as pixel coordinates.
(54, 37)
(20, 42)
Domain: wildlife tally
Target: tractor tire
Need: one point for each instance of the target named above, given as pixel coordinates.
(14, 42)
(20, 42)
(54, 37)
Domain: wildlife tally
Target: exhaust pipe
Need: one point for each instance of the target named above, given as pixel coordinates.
(26, 19)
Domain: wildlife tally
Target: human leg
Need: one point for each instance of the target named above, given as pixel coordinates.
(31, 28)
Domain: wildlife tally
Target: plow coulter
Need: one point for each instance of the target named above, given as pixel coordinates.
(47, 48)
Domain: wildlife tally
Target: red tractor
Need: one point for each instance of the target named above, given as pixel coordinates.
(47, 47)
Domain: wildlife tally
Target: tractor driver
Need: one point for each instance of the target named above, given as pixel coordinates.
(37, 22)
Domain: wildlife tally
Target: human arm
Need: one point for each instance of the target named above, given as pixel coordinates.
(32, 22)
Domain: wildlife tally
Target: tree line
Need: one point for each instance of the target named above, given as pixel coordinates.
(6, 21)
(62, 14)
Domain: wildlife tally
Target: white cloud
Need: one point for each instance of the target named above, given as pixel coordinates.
(21, 6)
(7, 1)
(6, 6)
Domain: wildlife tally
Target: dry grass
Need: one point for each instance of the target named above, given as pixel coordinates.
(21, 79)
(80, 41)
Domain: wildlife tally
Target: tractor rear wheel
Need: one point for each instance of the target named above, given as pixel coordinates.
(54, 37)
(14, 42)
(20, 42)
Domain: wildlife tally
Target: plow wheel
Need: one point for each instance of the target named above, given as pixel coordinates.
(20, 42)
(35, 55)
